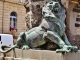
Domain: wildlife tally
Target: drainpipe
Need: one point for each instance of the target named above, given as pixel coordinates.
(3, 15)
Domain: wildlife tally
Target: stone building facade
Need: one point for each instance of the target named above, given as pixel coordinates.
(12, 16)
(73, 22)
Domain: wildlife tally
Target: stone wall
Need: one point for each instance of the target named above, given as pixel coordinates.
(36, 15)
(16, 1)
(1, 4)
(10, 6)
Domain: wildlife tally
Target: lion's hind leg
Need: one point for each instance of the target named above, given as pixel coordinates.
(54, 37)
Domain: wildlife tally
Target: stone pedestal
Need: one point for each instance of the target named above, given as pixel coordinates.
(39, 55)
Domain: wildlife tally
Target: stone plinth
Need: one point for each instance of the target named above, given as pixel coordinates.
(39, 55)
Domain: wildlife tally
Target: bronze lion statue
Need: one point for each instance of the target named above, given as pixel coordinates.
(52, 28)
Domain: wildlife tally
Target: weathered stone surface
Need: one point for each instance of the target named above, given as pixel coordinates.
(34, 16)
(41, 55)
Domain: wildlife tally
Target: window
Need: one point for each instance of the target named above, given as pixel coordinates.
(76, 8)
(13, 21)
(78, 19)
(77, 25)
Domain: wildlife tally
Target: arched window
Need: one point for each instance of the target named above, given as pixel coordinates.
(13, 21)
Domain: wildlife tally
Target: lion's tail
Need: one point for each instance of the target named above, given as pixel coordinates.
(6, 51)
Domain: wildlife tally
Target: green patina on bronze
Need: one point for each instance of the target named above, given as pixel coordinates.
(52, 27)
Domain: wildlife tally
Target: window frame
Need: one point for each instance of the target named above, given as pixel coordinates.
(13, 21)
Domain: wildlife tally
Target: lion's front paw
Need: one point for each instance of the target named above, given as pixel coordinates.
(68, 49)
(64, 49)
(24, 47)
(74, 49)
